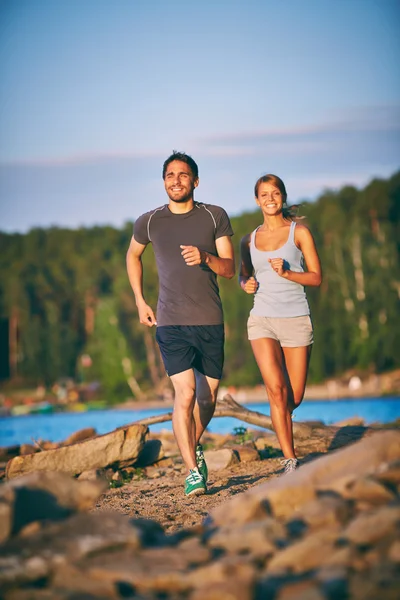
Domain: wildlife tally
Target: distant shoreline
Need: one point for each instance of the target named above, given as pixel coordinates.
(158, 404)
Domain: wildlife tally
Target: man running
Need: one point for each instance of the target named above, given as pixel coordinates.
(192, 245)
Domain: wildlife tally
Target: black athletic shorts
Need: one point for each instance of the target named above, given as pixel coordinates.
(186, 347)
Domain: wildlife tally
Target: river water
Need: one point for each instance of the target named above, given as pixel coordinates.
(58, 426)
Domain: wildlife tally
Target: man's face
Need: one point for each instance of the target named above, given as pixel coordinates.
(179, 181)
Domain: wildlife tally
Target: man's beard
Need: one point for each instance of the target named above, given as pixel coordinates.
(183, 199)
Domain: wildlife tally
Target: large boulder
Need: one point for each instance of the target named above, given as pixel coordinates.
(120, 447)
(43, 496)
(283, 495)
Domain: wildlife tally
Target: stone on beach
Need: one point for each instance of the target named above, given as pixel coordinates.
(220, 459)
(283, 495)
(121, 447)
(42, 496)
(79, 436)
(328, 530)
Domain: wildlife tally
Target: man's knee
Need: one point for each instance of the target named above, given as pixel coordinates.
(184, 398)
(207, 400)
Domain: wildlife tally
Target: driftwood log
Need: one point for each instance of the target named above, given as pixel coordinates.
(228, 407)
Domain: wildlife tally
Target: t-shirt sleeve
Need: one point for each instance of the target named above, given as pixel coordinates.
(223, 224)
(140, 229)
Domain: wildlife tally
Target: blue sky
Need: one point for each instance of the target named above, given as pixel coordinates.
(95, 94)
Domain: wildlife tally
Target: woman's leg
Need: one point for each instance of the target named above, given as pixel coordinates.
(296, 362)
(270, 361)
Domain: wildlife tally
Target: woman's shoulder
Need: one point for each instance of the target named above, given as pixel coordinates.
(301, 225)
(302, 232)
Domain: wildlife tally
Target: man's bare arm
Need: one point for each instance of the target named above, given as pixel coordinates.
(223, 264)
(135, 273)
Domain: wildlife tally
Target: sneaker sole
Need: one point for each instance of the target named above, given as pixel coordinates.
(198, 492)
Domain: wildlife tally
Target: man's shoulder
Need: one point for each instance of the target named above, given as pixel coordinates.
(218, 217)
(211, 207)
(147, 215)
(141, 227)
(217, 213)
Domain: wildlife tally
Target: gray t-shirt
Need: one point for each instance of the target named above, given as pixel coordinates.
(187, 295)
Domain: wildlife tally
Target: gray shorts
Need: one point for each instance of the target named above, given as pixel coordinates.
(290, 332)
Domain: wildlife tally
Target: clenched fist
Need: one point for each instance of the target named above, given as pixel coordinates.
(278, 266)
(250, 286)
(193, 256)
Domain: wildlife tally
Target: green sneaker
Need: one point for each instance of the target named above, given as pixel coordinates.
(201, 463)
(194, 484)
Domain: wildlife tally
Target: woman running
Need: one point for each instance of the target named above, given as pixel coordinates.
(279, 326)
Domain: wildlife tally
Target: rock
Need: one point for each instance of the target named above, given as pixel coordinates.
(218, 572)
(30, 529)
(168, 442)
(154, 472)
(327, 531)
(246, 453)
(195, 552)
(73, 540)
(369, 491)
(6, 520)
(18, 569)
(389, 473)
(46, 445)
(117, 477)
(164, 463)
(43, 496)
(285, 494)
(370, 527)
(151, 452)
(270, 441)
(326, 511)
(153, 572)
(79, 436)
(27, 449)
(257, 538)
(228, 590)
(118, 447)
(394, 552)
(220, 459)
(70, 577)
(305, 555)
(301, 590)
(97, 475)
(351, 422)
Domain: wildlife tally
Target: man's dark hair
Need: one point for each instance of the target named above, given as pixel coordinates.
(184, 158)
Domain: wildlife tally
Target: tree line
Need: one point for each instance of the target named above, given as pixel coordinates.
(67, 310)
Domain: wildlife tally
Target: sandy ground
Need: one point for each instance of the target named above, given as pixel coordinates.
(162, 498)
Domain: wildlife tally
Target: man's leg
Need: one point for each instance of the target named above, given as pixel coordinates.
(206, 397)
(183, 422)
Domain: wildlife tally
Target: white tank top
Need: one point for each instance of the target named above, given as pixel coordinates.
(277, 296)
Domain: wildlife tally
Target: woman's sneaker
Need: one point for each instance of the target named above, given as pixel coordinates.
(201, 462)
(194, 484)
(290, 464)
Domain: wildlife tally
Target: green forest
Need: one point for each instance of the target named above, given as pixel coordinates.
(65, 296)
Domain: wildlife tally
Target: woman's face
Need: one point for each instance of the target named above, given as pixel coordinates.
(269, 199)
